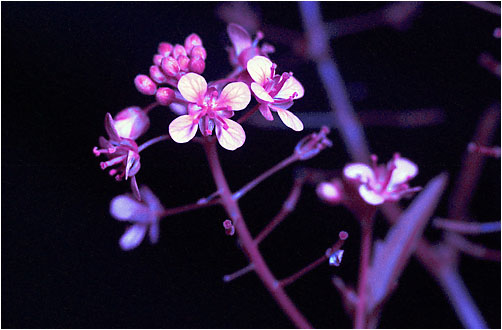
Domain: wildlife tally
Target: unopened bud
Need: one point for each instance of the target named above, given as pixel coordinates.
(131, 123)
(157, 75)
(191, 41)
(165, 49)
(183, 62)
(165, 96)
(197, 65)
(170, 66)
(157, 59)
(178, 51)
(198, 51)
(145, 85)
(330, 192)
(229, 227)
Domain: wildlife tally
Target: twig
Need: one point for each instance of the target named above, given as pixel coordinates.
(188, 207)
(239, 273)
(473, 249)
(464, 227)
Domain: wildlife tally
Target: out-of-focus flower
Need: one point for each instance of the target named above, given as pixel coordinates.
(336, 258)
(144, 215)
(275, 92)
(330, 192)
(122, 153)
(131, 123)
(209, 110)
(244, 48)
(383, 183)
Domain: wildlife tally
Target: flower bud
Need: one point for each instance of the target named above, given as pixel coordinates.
(157, 75)
(131, 122)
(145, 85)
(191, 41)
(165, 96)
(165, 49)
(198, 51)
(170, 66)
(330, 192)
(229, 227)
(183, 62)
(178, 50)
(157, 59)
(197, 65)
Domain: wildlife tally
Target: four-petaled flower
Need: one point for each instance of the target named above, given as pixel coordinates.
(208, 110)
(122, 152)
(275, 92)
(145, 217)
(383, 183)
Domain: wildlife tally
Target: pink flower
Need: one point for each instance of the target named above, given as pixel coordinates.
(122, 153)
(145, 217)
(275, 92)
(244, 48)
(379, 184)
(208, 110)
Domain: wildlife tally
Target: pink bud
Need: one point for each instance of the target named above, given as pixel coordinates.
(165, 96)
(330, 192)
(183, 62)
(198, 51)
(197, 65)
(131, 122)
(229, 227)
(165, 49)
(157, 59)
(170, 66)
(157, 75)
(192, 41)
(145, 85)
(179, 50)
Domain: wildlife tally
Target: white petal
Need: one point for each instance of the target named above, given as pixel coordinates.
(236, 95)
(261, 93)
(260, 68)
(289, 119)
(133, 237)
(193, 87)
(265, 111)
(290, 87)
(405, 170)
(360, 172)
(125, 208)
(370, 196)
(231, 138)
(239, 37)
(183, 129)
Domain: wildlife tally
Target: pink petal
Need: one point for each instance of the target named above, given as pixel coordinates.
(110, 128)
(193, 87)
(235, 95)
(290, 87)
(260, 69)
(131, 122)
(125, 208)
(133, 237)
(178, 108)
(405, 170)
(231, 138)
(183, 129)
(289, 119)
(260, 93)
(370, 196)
(239, 37)
(265, 111)
(360, 172)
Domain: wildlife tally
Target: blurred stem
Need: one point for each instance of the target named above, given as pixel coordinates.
(248, 245)
(362, 289)
(248, 114)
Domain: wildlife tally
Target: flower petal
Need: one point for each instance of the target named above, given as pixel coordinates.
(289, 119)
(405, 170)
(110, 128)
(125, 208)
(370, 196)
(231, 138)
(183, 129)
(151, 200)
(235, 95)
(360, 172)
(193, 87)
(133, 237)
(265, 111)
(153, 232)
(260, 69)
(178, 108)
(260, 93)
(290, 87)
(239, 37)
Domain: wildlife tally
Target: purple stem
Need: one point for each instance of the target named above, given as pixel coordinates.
(362, 291)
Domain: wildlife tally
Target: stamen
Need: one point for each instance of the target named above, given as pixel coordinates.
(112, 162)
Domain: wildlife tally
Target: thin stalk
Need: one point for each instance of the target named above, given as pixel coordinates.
(465, 227)
(188, 207)
(248, 114)
(362, 291)
(150, 107)
(239, 273)
(153, 141)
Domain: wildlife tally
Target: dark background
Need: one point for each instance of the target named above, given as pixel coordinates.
(66, 65)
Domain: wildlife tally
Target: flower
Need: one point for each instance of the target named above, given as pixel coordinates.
(379, 184)
(275, 92)
(244, 48)
(131, 123)
(208, 110)
(122, 152)
(144, 216)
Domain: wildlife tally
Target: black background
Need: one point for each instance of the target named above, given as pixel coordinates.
(66, 65)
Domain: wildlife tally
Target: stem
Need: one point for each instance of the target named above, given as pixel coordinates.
(360, 318)
(150, 107)
(239, 273)
(153, 141)
(248, 245)
(188, 207)
(472, 249)
(465, 227)
(248, 114)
